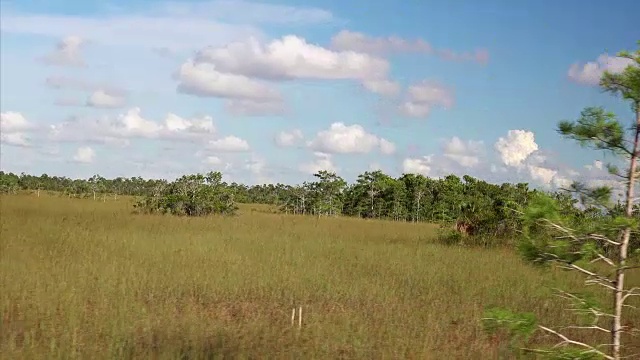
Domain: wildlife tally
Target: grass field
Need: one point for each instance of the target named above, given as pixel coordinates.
(87, 279)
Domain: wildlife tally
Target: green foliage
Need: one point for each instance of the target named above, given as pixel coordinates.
(190, 195)
(596, 128)
(515, 328)
(520, 326)
(626, 83)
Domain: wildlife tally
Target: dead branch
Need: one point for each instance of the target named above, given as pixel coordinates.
(566, 340)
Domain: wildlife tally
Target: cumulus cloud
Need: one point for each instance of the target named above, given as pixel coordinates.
(131, 124)
(542, 174)
(84, 154)
(356, 41)
(421, 165)
(387, 147)
(591, 72)
(516, 147)
(103, 99)
(241, 69)
(292, 57)
(68, 52)
(422, 97)
(289, 138)
(14, 128)
(346, 139)
(322, 161)
(229, 144)
(464, 153)
(202, 79)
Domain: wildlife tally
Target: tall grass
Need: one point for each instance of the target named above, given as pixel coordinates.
(87, 279)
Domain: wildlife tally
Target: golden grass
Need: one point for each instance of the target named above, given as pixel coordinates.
(87, 279)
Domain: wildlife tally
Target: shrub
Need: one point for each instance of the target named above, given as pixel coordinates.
(190, 195)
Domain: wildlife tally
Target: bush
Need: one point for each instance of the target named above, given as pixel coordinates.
(190, 195)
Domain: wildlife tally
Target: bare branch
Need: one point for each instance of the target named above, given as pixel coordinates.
(587, 272)
(603, 238)
(592, 327)
(635, 291)
(566, 340)
(605, 259)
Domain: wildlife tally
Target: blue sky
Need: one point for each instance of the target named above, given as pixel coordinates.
(275, 90)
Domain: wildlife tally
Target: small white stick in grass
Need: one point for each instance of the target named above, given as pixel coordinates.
(300, 317)
(293, 316)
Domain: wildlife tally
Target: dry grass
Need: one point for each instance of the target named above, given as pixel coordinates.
(87, 279)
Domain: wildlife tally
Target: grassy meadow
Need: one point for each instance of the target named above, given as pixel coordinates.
(89, 279)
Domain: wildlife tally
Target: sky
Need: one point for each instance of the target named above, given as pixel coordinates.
(274, 91)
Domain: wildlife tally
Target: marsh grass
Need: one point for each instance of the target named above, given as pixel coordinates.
(89, 279)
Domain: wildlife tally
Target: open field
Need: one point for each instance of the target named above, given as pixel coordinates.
(87, 279)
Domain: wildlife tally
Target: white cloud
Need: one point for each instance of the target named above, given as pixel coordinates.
(322, 161)
(424, 96)
(103, 99)
(591, 72)
(131, 124)
(229, 144)
(464, 153)
(11, 121)
(345, 139)
(420, 166)
(562, 182)
(542, 174)
(415, 110)
(387, 147)
(15, 139)
(13, 129)
(292, 57)
(66, 53)
(357, 41)
(175, 123)
(213, 160)
(597, 164)
(289, 138)
(382, 87)
(516, 147)
(205, 80)
(84, 154)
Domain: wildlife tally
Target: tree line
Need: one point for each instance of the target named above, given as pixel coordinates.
(475, 206)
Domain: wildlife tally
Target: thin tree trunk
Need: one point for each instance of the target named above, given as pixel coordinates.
(624, 246)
